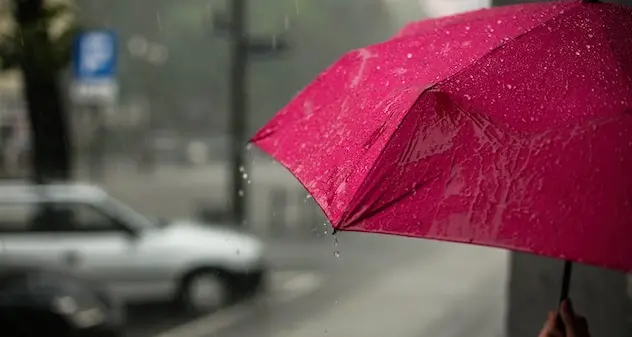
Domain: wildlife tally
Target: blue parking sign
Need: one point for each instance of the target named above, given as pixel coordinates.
(95, 55)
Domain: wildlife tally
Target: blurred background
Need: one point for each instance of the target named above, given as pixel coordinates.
(138, 112)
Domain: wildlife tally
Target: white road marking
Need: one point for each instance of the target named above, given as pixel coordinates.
(285, 286)
(296, 287)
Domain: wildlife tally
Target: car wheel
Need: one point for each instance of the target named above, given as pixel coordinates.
(204, 291)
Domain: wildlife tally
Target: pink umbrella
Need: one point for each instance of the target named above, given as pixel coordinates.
(507, 127)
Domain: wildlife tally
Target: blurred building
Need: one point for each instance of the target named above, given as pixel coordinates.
(14, 128)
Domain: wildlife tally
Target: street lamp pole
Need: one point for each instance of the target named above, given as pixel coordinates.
(238, 106)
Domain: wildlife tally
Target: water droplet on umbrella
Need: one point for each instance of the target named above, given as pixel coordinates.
(409, 55)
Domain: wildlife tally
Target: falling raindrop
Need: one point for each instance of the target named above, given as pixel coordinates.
(241, 193)
(245, 175)
(242, 169)
(287, 22)
(336, 250)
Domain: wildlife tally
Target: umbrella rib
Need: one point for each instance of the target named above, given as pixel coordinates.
(369, 214)
(347, 214)
(346, 219)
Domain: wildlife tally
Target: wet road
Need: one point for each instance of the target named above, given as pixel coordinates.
(379, 286)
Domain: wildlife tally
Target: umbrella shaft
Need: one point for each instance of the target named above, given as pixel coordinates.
(566, 284)
(566, 280)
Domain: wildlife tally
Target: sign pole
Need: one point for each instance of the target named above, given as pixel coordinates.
(95, 88)
(238, 107)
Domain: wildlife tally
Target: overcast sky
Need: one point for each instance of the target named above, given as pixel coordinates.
(409, 10)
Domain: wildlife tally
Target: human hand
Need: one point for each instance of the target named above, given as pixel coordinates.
(575, 325)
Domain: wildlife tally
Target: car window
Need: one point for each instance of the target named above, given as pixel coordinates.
(69, 217)
(85, 217)
(14, 217)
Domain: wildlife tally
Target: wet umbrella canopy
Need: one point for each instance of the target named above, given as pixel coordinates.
(508, 128)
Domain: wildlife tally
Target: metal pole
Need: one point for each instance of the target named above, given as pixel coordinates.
(238, 106)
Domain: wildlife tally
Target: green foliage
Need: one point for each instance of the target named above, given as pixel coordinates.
(55, 59)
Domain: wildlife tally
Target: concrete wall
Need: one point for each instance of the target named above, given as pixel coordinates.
(534, 286)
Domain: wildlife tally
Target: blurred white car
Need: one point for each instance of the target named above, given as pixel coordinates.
(139, 258)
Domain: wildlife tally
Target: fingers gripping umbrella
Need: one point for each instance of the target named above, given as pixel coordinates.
(505, 127)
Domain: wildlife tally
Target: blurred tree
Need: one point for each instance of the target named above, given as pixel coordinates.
(39, 43)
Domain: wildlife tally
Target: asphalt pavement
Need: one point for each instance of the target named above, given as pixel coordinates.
(375, 286)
